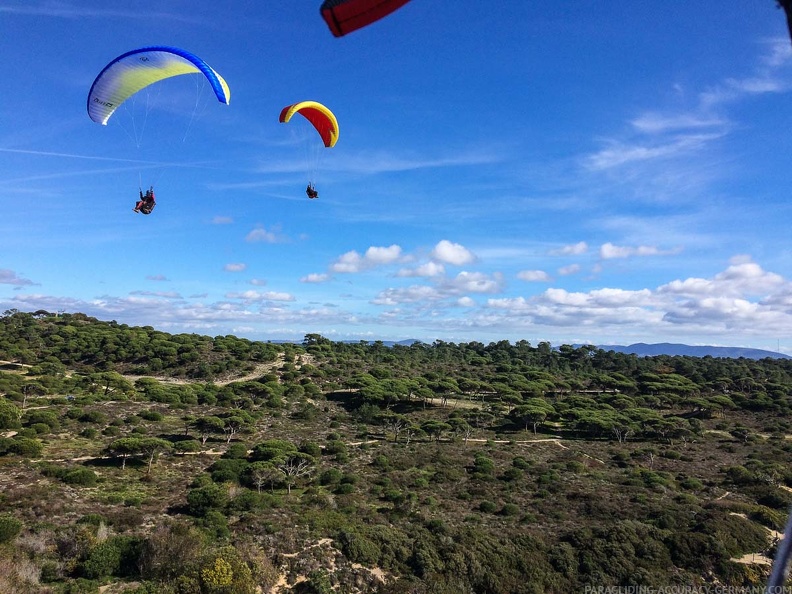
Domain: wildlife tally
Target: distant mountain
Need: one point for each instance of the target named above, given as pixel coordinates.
(665, 348)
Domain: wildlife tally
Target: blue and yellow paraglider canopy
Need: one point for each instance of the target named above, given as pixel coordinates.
(137, 69)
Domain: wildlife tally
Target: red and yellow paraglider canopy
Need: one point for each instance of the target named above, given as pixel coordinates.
(320, 117)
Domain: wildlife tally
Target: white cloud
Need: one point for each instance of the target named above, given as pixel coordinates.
(157, 277)
(235, 267)
(352, 261)
(258, 282)
(744, 279)
(608, 251)
(568, 270)
(315, 278)
(261, 234)
(574, 249)
(743, 300)
(472, 282)
(165, 294)
(251, 296)
(452, 253)
(9, 277)
(383, 255)
(654, 123)
(534, 276)
(621, 152)
(219, 220)
(413, 294)
(429, 269)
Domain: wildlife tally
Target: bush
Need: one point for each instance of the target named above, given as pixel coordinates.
(331, 476)
(691, 484)
(200, 501)
(10, 528)
(344, 489)
(510, 509)
(236, 451)
(23, 446)
(488, 507)
(311, 448)
(117, 556)
(521, 463)
(81, 477)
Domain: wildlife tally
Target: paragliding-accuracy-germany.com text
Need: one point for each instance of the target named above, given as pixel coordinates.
(679, 589)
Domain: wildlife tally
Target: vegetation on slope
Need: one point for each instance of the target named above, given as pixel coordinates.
(152, 462)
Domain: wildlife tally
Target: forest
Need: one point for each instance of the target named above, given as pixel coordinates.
(138, 461)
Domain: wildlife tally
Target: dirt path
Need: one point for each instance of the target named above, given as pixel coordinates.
(757, 558)
(258, 371)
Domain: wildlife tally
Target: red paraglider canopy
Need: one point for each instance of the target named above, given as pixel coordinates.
(345, 16)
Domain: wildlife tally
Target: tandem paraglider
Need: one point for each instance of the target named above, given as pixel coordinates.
(321, 120)
(134, 71)
(147, 202)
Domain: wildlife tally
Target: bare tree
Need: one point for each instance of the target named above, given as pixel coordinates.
(295, 468)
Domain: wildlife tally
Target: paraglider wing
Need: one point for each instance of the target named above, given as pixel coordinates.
(320, 117)
(345, 16)
(137, 69)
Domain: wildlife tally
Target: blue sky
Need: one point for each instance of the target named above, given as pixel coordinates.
(596, 171)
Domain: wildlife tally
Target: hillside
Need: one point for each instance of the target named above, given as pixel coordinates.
(139, 461)
(665, 348)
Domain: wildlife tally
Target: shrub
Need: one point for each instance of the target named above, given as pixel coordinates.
(521, 463)
(151, 415)
(311, 448)
(344, 489)
(488, 507)
(510, 509)
(10, 528)
(116, 556)
(93, 416)
(81, 477)
(236, 451)
(203, 499)
(692, 484)
(23, 446)
(331, 476)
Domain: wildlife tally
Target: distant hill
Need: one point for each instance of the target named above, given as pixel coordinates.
(665, 348)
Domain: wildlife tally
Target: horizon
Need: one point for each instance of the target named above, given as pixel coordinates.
(537, 179)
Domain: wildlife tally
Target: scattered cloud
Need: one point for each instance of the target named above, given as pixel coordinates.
(253, 296)
(568, 270)
(352, 261)
(743, 299)
(164, 294)
(261, 234)
(315, 278)
(9, 277)
(235, 267)
(620, 153)
(575, 249)
(452, 253)
(219, 220)
(430, 269)
(608, 251)
(534, 276)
